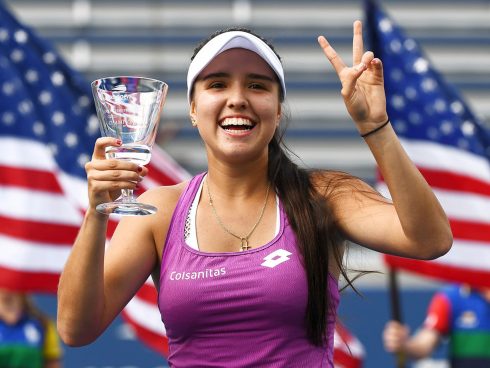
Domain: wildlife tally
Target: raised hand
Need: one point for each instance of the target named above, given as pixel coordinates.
(362, 84)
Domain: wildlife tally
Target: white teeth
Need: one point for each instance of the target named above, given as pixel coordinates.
(236, 121)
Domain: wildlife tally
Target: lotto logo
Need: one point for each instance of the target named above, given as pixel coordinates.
(276, 258)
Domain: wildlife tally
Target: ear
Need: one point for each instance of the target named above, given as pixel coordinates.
(192, 111)
(279, 115)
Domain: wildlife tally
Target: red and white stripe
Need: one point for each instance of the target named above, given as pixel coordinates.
(461, 182)
(37, 222)
(348, 351)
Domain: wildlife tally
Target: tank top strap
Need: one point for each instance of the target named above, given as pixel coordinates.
(177, 223)
(188, 195)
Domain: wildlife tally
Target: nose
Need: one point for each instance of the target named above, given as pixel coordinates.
(237, 98)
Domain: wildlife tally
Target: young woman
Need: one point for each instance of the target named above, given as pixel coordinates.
(246, 256)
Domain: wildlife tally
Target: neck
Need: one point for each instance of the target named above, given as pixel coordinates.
(237, 184)
(244, 175)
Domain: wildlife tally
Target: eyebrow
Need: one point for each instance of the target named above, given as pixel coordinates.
(261, 76)
(227, 75)
(214, 75)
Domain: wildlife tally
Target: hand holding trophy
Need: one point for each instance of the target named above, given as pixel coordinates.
(129, 109)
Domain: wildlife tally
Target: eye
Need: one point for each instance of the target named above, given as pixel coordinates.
(217, 84)
(256, 86)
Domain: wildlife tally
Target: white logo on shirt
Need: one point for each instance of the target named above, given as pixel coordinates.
(276, 258)
(197, 275)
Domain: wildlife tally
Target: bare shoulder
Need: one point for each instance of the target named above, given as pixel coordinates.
(153, 228)
(165, 199)
(164, 196)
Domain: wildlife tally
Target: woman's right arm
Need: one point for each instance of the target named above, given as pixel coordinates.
(96, 284)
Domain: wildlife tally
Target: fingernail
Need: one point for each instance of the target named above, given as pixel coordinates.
(140, 169)
(119, 142)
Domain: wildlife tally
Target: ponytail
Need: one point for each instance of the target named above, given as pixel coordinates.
(318, 238)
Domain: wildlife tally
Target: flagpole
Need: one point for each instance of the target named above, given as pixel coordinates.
(396, 312)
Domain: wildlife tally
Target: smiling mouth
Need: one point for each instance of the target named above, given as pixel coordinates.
(236, 124)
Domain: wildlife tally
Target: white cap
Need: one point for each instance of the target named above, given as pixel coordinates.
(232, 40)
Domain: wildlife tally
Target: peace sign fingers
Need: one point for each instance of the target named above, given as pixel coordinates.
(348, 75)
(362, 83)
(357, 43)
(334, 58)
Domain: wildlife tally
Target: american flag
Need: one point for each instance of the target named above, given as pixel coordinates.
(48, 127)
(447, 143)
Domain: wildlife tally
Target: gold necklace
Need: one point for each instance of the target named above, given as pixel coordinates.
(243, 239)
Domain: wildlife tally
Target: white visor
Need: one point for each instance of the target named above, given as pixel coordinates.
(233, 40)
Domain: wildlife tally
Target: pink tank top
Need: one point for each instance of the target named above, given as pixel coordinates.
(244, 309)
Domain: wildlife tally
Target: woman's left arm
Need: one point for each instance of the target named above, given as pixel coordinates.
(415, 224)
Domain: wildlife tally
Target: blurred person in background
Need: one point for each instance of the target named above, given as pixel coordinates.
(459, 313)
(247, 256)
(28, 338)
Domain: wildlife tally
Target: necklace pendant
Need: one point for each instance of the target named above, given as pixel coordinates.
(244, 245)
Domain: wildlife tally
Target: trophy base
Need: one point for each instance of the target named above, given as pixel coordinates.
(126, 208)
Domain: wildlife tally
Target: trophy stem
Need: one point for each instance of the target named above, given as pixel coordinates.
(127, 196)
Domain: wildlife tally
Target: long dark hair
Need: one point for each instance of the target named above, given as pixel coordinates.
(311, 219)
